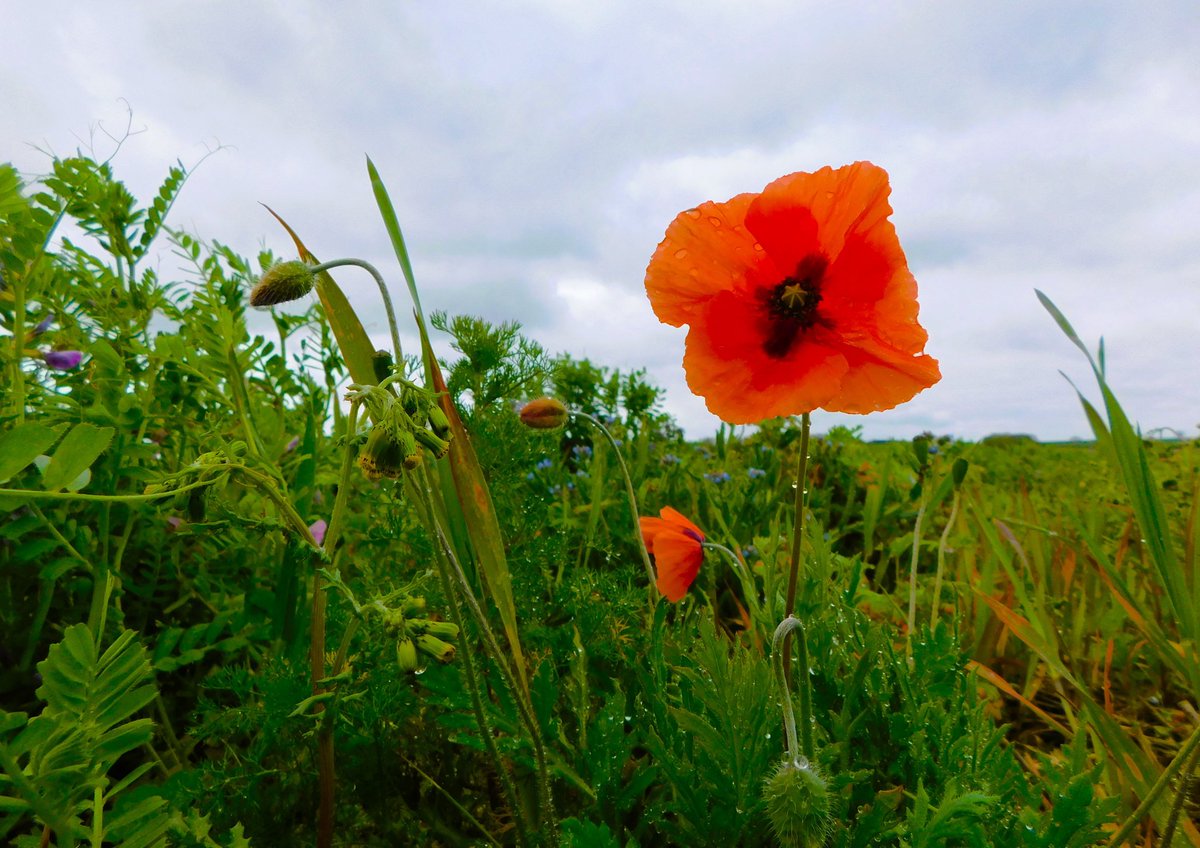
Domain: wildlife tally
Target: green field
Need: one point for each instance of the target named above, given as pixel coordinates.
(250, 596)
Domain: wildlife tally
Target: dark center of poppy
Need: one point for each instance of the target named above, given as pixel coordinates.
(791, 305)
(688, 531)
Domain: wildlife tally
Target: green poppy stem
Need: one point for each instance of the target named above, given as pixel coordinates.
(383, 291)
(800, 484)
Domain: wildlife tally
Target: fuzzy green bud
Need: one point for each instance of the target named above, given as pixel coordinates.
(406, 654)
(283, 282)
(441, 651)
(797, 800)
(544, 414)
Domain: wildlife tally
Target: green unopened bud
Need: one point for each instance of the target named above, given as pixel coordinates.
(439, 422)
(441, 651)
(406, 655)
(408, 450)
(437, 447)
(411, 404)
(797, 799)
(283, 282)
(381, 363)
(544, 414)
(412, 605)
(381, 456)
(440, 629)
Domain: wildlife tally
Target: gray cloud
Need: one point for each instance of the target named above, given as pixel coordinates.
(536, 151)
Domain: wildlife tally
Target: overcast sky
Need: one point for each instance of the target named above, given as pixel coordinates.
(536, 152)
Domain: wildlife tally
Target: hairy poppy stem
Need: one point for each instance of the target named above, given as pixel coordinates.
(801, 486)
(637, 530)
(778, 648)
(383, 291)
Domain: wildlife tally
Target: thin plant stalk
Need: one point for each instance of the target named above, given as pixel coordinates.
(469, 671)
(326, 763)
(912, 578)
(524, 709)
(383, 292)
(941, 562)
(633, 506)
(778, 645)
(801, 486)
(1181, 793)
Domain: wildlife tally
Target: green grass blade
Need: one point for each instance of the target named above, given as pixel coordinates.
(393, 228)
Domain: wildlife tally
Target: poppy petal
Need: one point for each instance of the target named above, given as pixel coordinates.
(651, 528)
(677, 518)
(706, 250)
(679, 558)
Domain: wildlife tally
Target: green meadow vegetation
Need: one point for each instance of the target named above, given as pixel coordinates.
(273, 587)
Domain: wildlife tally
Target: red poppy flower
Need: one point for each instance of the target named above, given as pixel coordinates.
(676, 545)
(797, 298)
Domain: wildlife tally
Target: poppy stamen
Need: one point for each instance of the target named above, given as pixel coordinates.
(792, 305)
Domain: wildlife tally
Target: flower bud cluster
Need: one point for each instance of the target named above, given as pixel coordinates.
(416, 636)
(404, 422)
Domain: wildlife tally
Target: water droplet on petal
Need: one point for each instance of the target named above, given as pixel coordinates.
(715, 221)
(693, 213)
(681, 253)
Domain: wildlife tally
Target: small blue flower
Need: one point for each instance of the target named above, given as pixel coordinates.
(749, 551)
(933, 449)
(717, 477)
(529, 476)
(555, 490)
(544, 463)
(618, 442)
(581, 473)
(581, 450)
(570, 487)
(670, 459)
(756, 473)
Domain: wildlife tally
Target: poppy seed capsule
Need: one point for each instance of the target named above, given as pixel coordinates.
(283, 282)
(797, 800)
(544, 414)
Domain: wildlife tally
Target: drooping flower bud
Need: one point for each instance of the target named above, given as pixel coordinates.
(544, 414)
(439, 422)
(406, 654)
(283, 282)
(437, 447)
(440, 629)
(797, 800)
(381, 456)
(441, 651)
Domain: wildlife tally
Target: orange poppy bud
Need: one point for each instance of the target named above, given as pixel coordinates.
(544, 414)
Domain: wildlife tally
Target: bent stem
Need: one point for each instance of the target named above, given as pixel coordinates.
(383, 291)
(778, 653)
(633, 506)
(801, 486)
(941, 561)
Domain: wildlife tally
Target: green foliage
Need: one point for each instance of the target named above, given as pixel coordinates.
(497, 362)
(57, 766)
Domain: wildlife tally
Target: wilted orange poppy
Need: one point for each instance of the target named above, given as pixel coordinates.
(797, 298)
(677, 547)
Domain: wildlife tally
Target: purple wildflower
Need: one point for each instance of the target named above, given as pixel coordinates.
(318, 528)
(63, 360)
